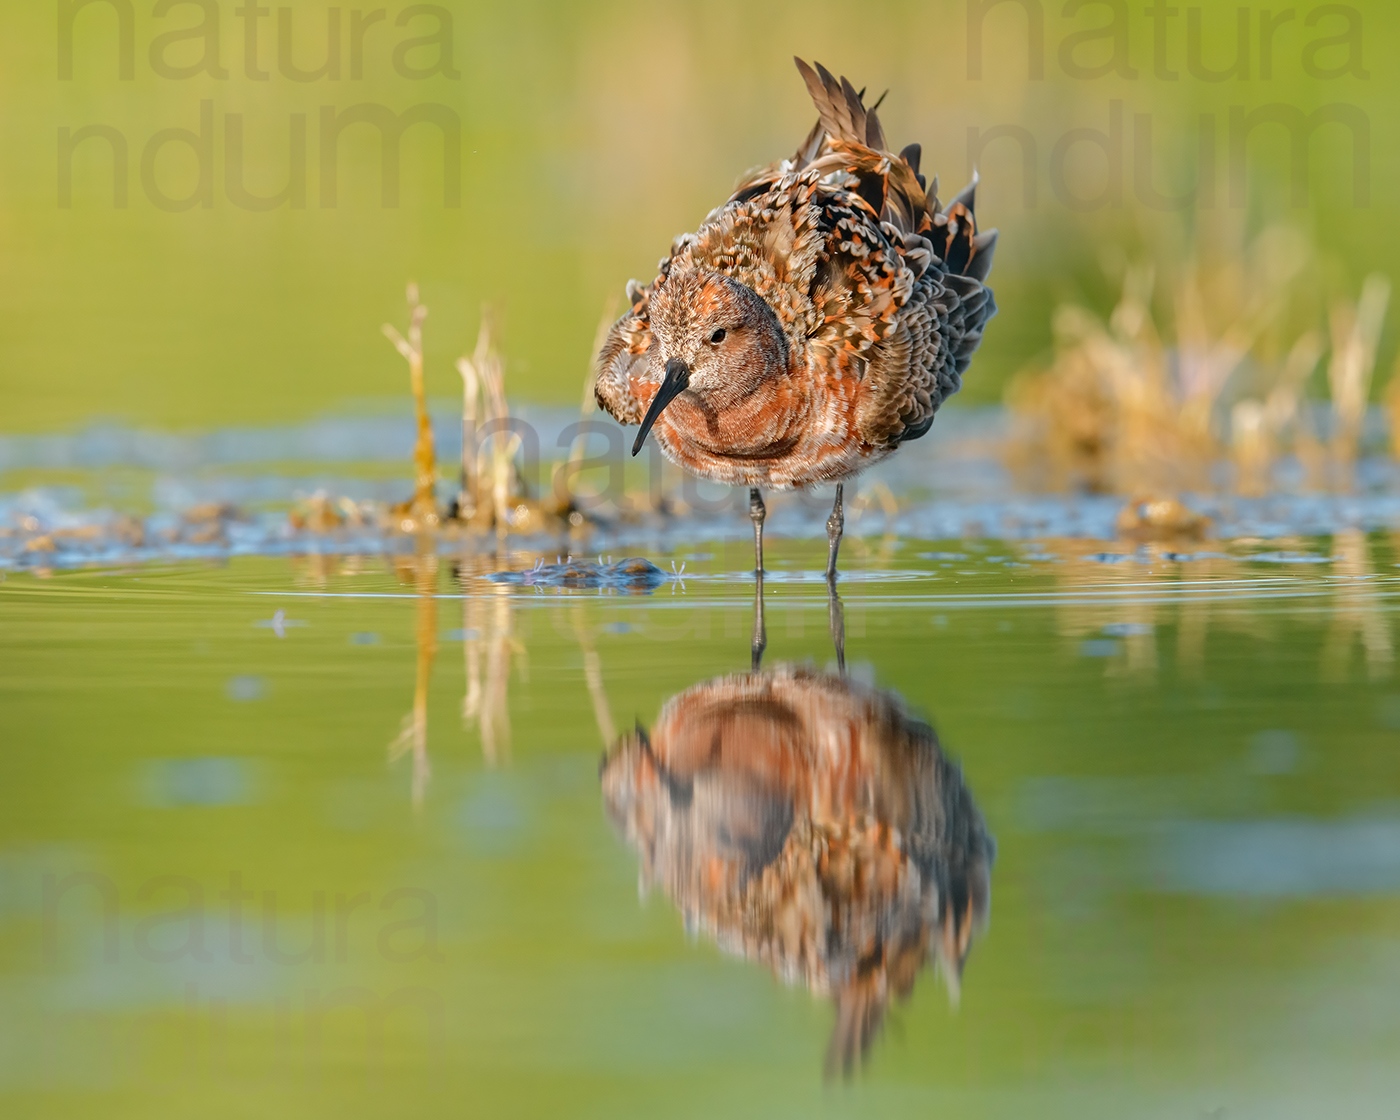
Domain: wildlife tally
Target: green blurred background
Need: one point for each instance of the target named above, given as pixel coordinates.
(591, 134)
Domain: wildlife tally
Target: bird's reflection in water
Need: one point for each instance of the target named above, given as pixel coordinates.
(807, 821)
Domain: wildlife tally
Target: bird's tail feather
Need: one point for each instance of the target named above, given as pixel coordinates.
(841, 109)
(851, 137)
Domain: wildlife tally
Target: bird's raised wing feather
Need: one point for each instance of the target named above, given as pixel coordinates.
(865, 269)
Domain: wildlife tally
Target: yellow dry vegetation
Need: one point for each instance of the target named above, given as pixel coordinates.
(1198, 380)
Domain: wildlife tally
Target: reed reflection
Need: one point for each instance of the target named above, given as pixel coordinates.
(420, 571)
(1149, 589)
(806, 821)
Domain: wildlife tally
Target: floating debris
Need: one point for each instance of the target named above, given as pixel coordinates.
(204, 513)
(632, 574)
(322, 514)
(1160, 519)
(1192, 557)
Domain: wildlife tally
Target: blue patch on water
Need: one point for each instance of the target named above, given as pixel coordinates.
(279, 623)
(171, 783)
(364, 638)
(1280, 858)
(1275, 752)
(1127, 629)
(618, 628)
(493, 818)
(1287, 558)
(1098, 647)
(245, 689)
(460, 635)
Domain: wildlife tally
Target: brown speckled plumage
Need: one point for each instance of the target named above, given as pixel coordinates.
(817, 319)
(804, 820)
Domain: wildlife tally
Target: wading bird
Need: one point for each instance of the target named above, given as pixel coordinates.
(812, 324)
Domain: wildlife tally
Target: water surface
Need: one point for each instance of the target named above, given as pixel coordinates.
(337, 835)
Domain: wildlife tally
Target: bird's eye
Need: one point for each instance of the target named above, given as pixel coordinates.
(718, 336)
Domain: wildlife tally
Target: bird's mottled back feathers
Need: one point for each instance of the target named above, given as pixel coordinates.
(874, 283)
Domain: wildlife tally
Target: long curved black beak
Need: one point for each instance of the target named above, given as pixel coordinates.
(677, 380)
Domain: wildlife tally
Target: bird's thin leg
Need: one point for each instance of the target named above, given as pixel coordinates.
(760, 631)
(835, 526)
(836, 620)
(757, 512)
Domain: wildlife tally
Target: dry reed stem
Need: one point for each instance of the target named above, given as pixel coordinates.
(471, 397)
(1392, 409)
(1128, 406)
(1356, 334)
(493, 468)
(587, 405)
(423, 508)
(1257, 427)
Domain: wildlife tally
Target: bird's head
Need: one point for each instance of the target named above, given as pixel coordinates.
(716, 339)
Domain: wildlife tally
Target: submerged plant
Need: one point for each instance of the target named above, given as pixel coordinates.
(1356, 332)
